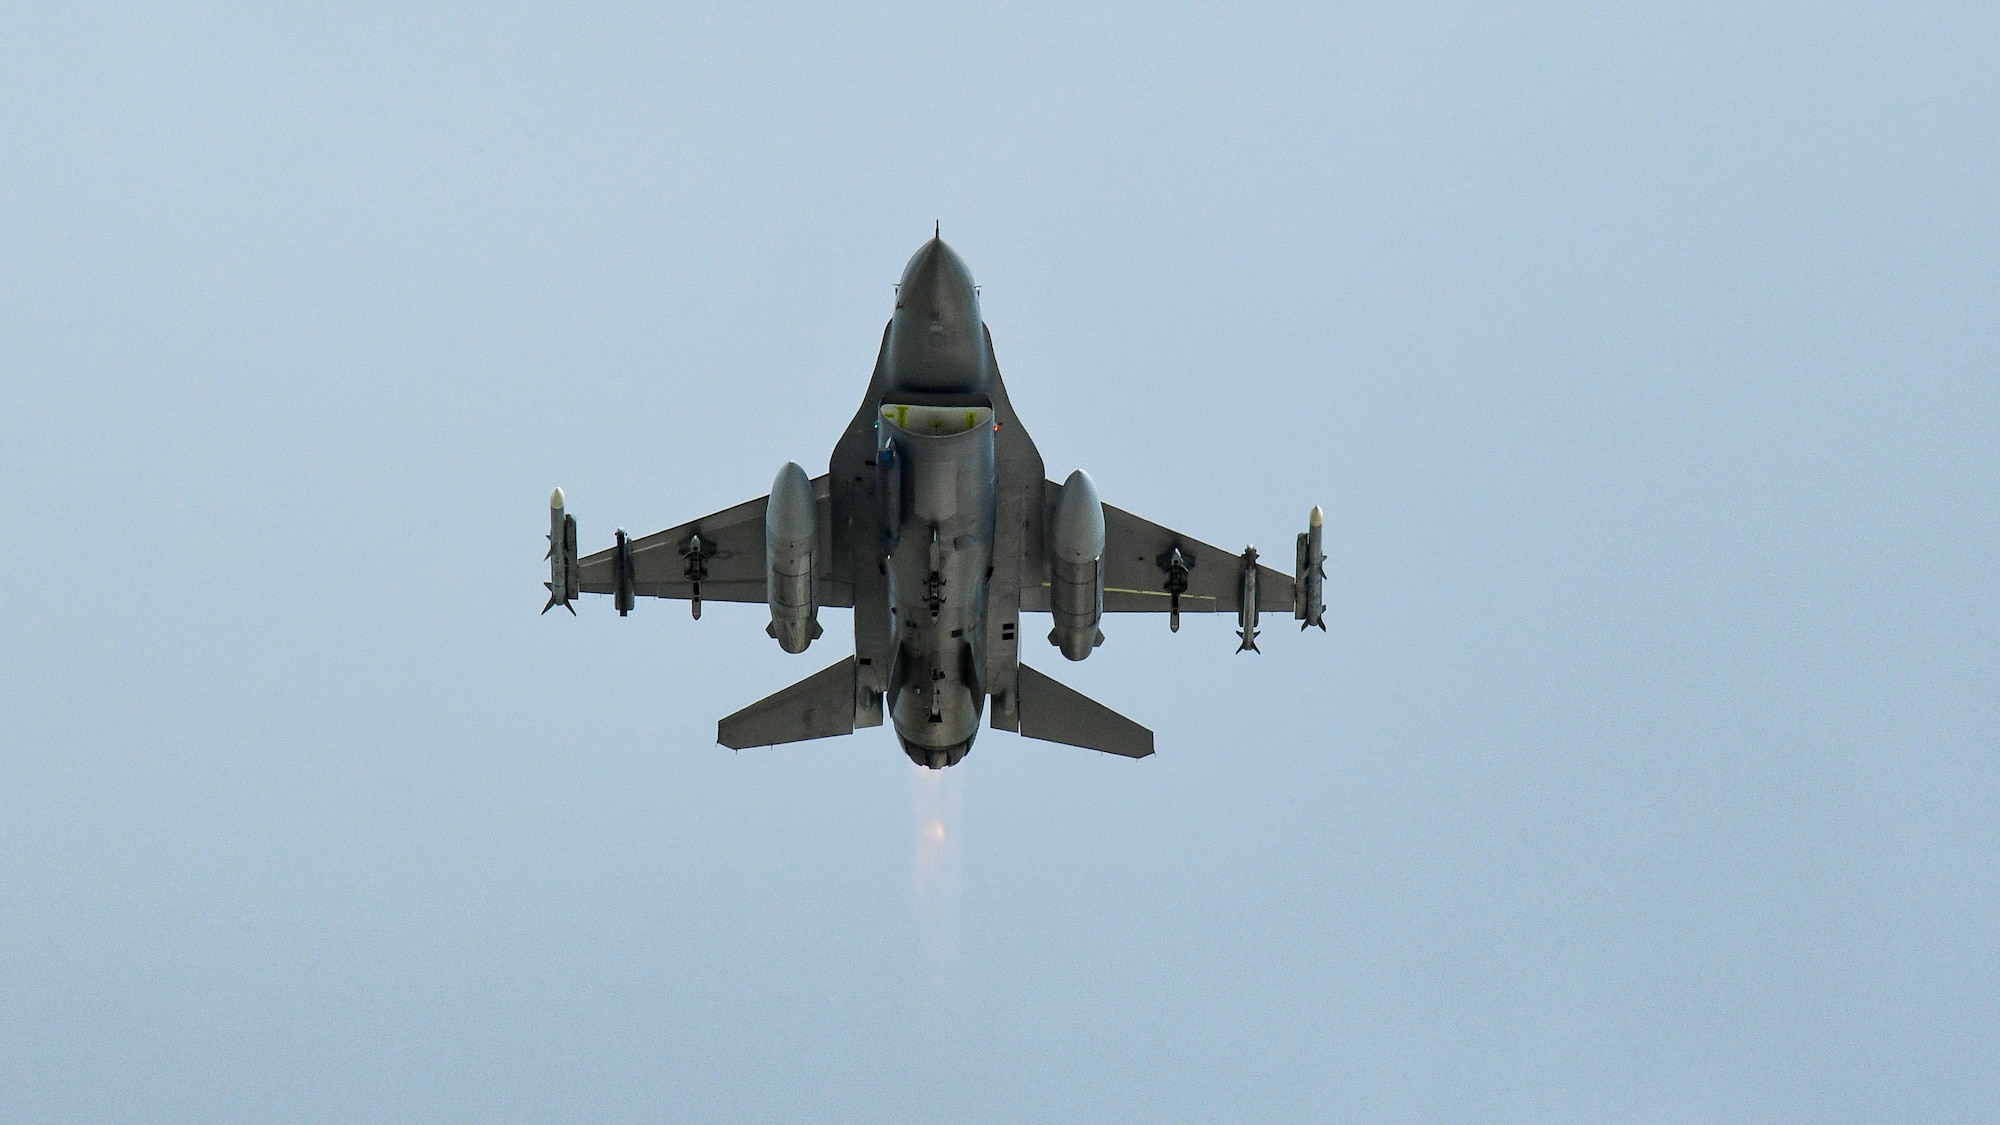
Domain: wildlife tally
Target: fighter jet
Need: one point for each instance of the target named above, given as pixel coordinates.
(935, 525)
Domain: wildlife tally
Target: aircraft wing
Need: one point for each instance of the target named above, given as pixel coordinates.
(731, 563)
(1137, 554)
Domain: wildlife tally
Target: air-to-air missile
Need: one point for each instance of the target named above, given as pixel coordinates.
(1246, 613)
(1308, 607)
(563, 572)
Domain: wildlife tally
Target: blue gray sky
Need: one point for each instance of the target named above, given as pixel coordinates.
(1646, 362)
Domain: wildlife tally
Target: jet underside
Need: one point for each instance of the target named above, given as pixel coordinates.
(935, 522)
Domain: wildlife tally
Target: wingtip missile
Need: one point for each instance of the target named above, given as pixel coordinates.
(1309, 606)
(563, 570)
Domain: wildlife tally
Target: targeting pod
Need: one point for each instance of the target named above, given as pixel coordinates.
(1307, 592)
(791, 534)
(1076, 553)
(564, 574)
(1246, 609)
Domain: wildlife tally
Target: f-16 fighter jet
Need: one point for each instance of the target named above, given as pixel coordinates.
(935, 524)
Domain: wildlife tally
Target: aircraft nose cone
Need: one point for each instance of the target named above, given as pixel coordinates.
(937, 341)
(935, 277)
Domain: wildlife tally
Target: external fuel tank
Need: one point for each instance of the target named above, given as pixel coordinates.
(1076, 555)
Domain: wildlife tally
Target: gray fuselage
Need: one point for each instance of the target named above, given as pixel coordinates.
(935, 458)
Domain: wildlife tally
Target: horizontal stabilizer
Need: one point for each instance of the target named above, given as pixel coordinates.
(1054, 713)
(819, 706)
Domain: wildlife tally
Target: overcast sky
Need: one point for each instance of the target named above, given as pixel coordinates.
(1647, 366)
